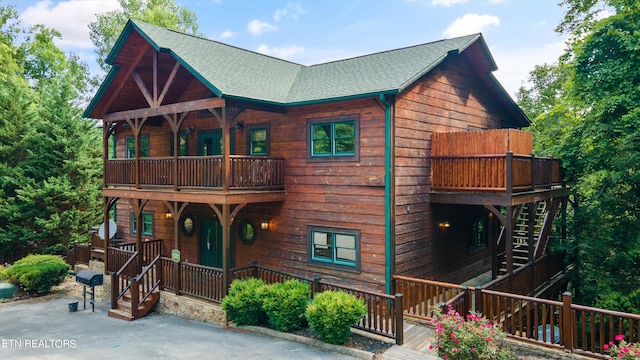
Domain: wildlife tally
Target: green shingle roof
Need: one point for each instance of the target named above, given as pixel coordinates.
(229, 71)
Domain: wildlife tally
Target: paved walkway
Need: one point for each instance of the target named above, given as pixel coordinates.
(47, 330)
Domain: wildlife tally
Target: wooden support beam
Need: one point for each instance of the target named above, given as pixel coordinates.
(143, 89)
(187, 106)
(122, 78)
(172, 77)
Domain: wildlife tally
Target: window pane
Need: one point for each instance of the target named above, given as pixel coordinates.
(258, 141)
(131, 148)
(348, 255)
(345, 241)
(346, 146)
(345, 130)
(322, 246)
(144, 147)
(147, 224)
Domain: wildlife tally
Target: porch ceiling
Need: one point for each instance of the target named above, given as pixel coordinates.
(497, 199)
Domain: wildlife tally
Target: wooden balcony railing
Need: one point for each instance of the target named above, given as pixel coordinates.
(196, 172)
(494, 173)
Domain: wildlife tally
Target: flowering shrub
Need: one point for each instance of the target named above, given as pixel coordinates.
(622, 350)
(475, 338)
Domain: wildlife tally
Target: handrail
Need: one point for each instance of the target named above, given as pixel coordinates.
(149, 284)
(119, 286)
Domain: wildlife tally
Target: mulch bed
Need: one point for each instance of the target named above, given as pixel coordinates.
(355, 341)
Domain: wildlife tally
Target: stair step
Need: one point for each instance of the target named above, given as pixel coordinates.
(120, 314)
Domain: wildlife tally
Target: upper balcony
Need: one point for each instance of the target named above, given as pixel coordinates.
(198, 175)
(492, 166)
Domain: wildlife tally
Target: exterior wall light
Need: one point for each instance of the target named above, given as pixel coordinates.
(168, 215)
(444, 225)
(264, 224)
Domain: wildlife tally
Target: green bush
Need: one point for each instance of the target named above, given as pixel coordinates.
(285, 305)
(3, 273)
(332, 313)
(243, 304)
(38, 273)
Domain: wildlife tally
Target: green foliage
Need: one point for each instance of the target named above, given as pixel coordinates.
(3, 273)
(621, 349)
(586, 111)
(475, 338)
(105, 30)
(332, 313)
(243, 304)
(285, 305)
(50, 158)
(38, 273)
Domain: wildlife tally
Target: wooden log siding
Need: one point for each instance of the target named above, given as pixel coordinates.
(247, 172)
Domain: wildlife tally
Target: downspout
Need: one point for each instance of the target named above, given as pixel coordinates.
(388, 184)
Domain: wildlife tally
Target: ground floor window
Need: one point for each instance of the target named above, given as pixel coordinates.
(480, 235)
(334, 247)
(147, 224)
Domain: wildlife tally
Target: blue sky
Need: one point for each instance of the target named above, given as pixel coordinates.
(519, 32)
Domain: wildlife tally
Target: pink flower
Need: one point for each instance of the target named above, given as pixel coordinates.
(605, 347)
(446, 356)
(619, 337)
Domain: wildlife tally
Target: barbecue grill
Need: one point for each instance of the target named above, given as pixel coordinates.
(89, 278)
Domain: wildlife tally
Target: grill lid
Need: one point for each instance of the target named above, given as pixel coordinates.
(89, 278)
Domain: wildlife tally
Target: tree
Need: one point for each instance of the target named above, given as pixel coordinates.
(591, 100)
(49, 155)
(105, 30)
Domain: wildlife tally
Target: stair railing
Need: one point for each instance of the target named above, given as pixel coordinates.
(120, 279)
(144, 284)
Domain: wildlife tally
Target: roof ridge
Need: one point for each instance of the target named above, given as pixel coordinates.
(136, 22)
(474, 35)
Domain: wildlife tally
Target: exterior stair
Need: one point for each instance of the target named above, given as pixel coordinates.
(123, 309)
(521, 245)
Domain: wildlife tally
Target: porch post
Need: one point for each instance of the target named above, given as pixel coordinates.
(226, 248)
(226, 152)
(105, 241)
(509, 239)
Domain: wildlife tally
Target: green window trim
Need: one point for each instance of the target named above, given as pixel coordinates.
(147, 224)
(131, 146)
(334, 247)
(258, 139)
(333, 139)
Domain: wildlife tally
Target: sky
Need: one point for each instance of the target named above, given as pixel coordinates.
(520, 33)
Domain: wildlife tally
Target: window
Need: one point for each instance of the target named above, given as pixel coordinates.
(258, 139)
(335, 247)
(335, 138)
(131, 146)
(182, 145)
(480, 235)
(147, 224)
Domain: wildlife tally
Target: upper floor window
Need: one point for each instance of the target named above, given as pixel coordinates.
(131, 146)
(335, 247)
(336, 138)
(182, 144)
(258, 139)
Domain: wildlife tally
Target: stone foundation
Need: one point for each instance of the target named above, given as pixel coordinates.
(190, 308)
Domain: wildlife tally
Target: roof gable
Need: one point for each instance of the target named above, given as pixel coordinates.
(235, 73)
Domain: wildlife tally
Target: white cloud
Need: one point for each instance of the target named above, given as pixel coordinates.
(447, 3)
(516, 64)
(470, 24)
(227, 34)
(293, 10)
(71, 18)
(280, 52)
(497, 1)
(258, 27)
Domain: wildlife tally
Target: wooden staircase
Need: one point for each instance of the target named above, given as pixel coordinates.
(523, 249)
(123, 306)
(133, 296)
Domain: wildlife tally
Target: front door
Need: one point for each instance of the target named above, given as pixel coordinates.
(210, 143)
(211, 244)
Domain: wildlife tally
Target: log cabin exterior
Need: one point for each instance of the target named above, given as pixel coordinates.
(402, 162)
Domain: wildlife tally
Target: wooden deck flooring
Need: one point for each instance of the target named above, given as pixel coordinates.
(417, 339)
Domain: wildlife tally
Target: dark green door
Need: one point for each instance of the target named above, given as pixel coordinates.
(210, 143)
(211, 244)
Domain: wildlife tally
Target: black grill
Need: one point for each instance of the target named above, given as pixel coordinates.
(89, 278)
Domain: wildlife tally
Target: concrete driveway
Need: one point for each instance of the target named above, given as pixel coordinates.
(47, 330)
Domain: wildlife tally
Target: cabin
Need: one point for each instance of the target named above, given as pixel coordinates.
(406, 162)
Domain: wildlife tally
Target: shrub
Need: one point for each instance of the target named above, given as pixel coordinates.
(475, 338)
(285, 305)
(243, 304)
(332, 313)
(38, 273)
(621, 349)
(3, 273)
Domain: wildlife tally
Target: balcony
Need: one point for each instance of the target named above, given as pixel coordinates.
(196, 173)
(492, 165)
